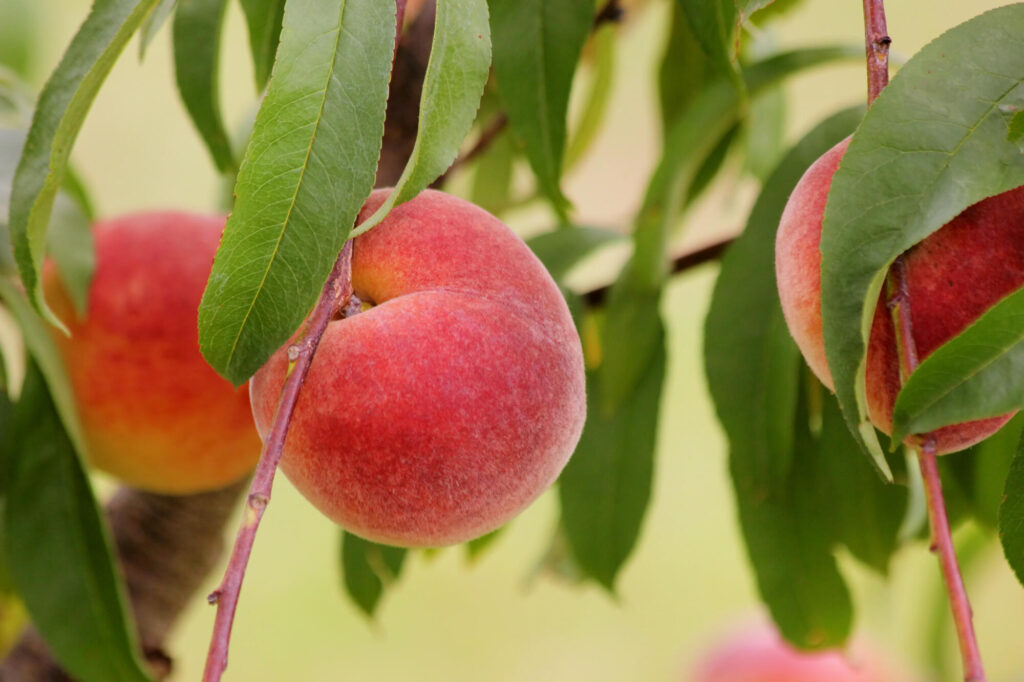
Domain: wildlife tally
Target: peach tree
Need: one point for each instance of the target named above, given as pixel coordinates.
(356, 94)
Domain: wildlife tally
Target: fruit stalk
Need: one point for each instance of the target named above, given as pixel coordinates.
(877, 44)
(336, 294)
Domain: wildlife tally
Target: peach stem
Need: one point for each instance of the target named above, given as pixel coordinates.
(876, 47)
(942, 539)
(334, 298)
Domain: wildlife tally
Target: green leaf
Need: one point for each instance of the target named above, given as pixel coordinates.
(153, 23)
(1011, 515)
(918, 159)
(460, 56)
(493, 175)
(790, 546)
(58, 549)
(713, 23)
(866, 512)
(477, 546)
(595, 106)
(307, 170)
(765, 132)
(537, 44)
(369, 569)
(264, 20)
(684, 69)
(981, 471)
(605, 488)
(61, 110)
(19, 33)
(197, 30)
(693, 138)
(750, 359)
(69, 239)
(751, 364)
(40, 345)
(561, 250)
(978, 373)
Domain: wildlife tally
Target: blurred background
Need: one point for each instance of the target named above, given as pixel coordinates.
(498, 618)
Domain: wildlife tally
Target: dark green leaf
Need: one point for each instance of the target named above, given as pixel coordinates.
(605, 488)
(592, 112)
(69, 238)
(58, 550)
(692, 139)
(979, 373)
(983, 468)
(919, 158)
(1011, 515)
(560, 250)
(197, 29)
(62, 107)
(536, 46)
(460, 55)
(264, 20)
(866, 512)
(765, 131)
(713, 23)
(369, 569)
(790, 546)
(709, 168)
(493, 175)
(43, 350)
(751, 365)
(153, 23)
(308, 168)
(684, 69)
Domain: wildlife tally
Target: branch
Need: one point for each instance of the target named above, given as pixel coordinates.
(336, 294)
(876, 47)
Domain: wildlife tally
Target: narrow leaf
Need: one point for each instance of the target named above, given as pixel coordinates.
(493, 175)
(595, 105)
(1011, 515)
(537, 44)
(369, 569)
(713, 23)
(990, 460)
(979, 373)
(696, 133)
(308, 168)
(919, 158)
(59, 115)
(866, 512)
(69, 238)
(684, 69)
(605, 488)
(197, 30)
(460, 56)
(153, 23)
(790, 545)
(561, 250)
(58, 550)
(264, 20)
(752, 369)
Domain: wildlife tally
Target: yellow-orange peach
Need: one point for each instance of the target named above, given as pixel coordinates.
(154, 414)
(447, 407)
(953, 277)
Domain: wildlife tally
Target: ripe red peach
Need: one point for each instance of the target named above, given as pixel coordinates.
(153, 413)
(953, 277)
(759, 654)
(448, 406)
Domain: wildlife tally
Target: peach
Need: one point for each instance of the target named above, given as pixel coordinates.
(759, 654)
(444, 409)
(953, 277)
(153, 413)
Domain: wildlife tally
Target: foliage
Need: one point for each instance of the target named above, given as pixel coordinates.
(945, 134)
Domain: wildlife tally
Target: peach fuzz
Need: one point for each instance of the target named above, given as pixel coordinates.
(454, 401)
(154, 414)
(759, 654)
(953, 277)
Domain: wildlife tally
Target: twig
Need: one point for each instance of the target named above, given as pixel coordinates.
(876, 47)
(685, 261)
(877, 43)
(337, 291)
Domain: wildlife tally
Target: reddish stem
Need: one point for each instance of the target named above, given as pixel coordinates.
(336, 293)
(876, 47)
(942, 539)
